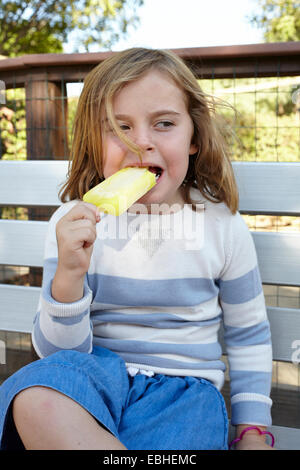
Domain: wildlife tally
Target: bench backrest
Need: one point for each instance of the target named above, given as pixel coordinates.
(265, 188)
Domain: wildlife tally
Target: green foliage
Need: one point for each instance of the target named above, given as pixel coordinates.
(279, 19)
(265, 119)
(72, 106)
(13, 126)
(104, 20)
(42, 26)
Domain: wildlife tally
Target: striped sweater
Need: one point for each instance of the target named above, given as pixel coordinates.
(157, 290)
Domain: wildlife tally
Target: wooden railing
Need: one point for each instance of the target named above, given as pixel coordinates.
(44, 77)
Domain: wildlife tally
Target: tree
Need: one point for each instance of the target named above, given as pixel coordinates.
(41, 26)
(280, 20)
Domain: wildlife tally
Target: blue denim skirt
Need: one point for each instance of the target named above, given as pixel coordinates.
(145, 413)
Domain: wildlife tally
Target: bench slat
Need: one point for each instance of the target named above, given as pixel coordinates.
(270, 187)
(18, 307)
(278, 257)
(31, 182)
(285, 330)
(286, 438)
(22, 242)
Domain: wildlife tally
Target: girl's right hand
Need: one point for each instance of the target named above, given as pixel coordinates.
(76, 234)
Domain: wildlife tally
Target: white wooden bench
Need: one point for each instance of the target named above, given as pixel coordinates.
(265, 188)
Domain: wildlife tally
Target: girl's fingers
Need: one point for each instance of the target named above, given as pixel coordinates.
(83, 210)
(82, 224)
(78, 231)
(84, 237)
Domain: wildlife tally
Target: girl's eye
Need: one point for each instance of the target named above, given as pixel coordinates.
(164, 124)
(124, 127)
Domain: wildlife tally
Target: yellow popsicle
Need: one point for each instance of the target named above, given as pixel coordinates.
(119, 191)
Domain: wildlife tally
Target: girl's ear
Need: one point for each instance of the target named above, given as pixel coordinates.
(193, 149)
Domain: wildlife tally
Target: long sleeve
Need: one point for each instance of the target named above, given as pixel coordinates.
(246, 329)
(59, 325)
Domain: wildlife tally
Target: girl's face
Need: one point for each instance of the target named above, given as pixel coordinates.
(152, 112)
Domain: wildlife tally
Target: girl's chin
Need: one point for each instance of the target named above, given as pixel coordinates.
(158, 200)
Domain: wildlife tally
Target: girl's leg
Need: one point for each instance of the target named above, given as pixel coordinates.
(46, 420)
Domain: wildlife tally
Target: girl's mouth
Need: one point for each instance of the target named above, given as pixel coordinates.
(157, 171)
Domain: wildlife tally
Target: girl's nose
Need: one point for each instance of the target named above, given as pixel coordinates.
(142, 138)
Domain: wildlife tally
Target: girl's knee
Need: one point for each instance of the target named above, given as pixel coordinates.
(36, 411)
(33, 404)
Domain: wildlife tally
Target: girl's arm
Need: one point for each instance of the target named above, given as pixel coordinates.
(63, 317)
(247, 335)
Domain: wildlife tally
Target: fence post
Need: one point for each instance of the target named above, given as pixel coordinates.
(46, 120)
(47, 133)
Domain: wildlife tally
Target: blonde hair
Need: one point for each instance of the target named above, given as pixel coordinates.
(209, 170)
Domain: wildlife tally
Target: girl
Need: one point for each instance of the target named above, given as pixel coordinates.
(128, 320)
